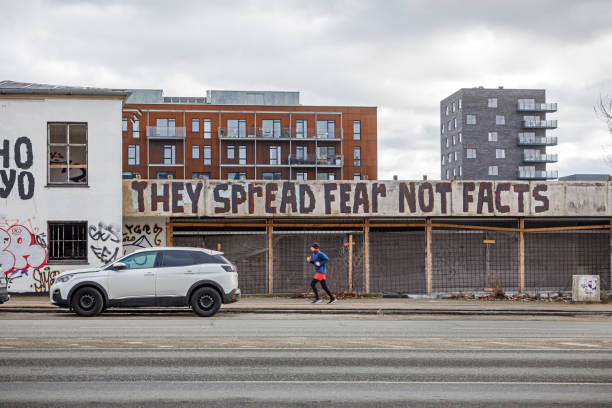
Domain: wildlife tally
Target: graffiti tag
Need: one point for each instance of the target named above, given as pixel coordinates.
(19, 250)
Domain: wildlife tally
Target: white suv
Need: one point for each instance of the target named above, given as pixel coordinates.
(173, 276)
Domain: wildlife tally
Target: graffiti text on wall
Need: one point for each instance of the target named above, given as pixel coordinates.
(106, 242)
(15, 163)
(19, 250)
(141, 236)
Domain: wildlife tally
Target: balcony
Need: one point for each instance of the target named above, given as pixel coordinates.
(540, 124)
(533, 140)
(540, 158)
(537, 107)
(313, 161)
(278, 134)
(171, 132)
(530, 174)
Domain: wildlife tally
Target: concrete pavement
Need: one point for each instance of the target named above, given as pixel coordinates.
(369, 305)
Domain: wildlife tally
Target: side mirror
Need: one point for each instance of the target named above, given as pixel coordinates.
(117, 266)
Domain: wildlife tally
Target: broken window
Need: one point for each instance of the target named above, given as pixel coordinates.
(67, 147)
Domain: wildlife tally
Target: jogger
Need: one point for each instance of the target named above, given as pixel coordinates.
(319, 259)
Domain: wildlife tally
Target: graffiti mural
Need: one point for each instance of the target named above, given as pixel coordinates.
(142, 234)
(106, 241)
(19, 250)
(19, 176)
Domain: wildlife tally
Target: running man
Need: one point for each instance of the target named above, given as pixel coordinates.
(319, 259)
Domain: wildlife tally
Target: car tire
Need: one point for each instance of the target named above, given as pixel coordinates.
(87, 302)
(205, 302)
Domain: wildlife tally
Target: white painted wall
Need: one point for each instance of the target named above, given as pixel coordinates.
(99, 204)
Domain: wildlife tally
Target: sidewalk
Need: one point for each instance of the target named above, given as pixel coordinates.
(254, 304)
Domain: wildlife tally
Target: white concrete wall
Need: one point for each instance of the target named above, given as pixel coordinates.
(99, 203)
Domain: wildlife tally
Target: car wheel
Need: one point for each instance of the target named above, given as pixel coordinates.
(205, 302)
(87, 302)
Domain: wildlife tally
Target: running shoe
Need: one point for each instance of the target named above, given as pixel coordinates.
(316, 301)
(334, 300)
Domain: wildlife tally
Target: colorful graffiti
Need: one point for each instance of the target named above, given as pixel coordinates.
(20, 250)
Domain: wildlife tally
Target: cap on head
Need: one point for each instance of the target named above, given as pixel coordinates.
(315, 245)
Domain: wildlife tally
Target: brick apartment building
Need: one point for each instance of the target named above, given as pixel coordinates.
(498, 134)
(246, 135)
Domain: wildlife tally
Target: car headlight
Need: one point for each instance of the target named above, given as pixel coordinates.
(63, 278)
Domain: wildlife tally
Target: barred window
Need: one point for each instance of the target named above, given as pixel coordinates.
(67, 241)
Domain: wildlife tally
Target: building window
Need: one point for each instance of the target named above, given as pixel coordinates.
(136, 129)
(456, 155)
(356, 130)
(471, 153)
(500, 153)
(169, 154)
(301, 129)
(301, 153)
(165, 127)
(492, 136)
(164, 175)
(455, 123)
(454, 107)
(236, 176)
(447, 142)
(67, 241)
(460, 171)
(326, 154)
(124, 124)
(207, 152)
(271, 128)
(525, 104)
(230, 153)
(275, 154)
(67, 147)
(195, 152)
(442, 128)
(356, 176)
(128, 175)
(326, 129)
(357, 156)
(449, 125)
(492, 170)
(459, 137)
(236, 128)
(133, 155)
(454, 172)
(492, 103)
(443, 159)
(242, 154)
(270, 176)
(200, 175)
(207, 129)
(470, 119)
(500, 120)
(447, 175)
(301, 176)
(195, 125)
(460, 103)
(450, 158)
(454, 140)
(447, 108)
(326, 176)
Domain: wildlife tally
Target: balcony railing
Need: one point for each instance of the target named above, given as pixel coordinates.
(537, 174)
(540, 124)
(537, 107)
(158, 132)
(540, 158)
(279, 134)
(312, 160)
(537, 140)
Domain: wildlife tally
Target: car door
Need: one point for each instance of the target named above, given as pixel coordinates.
(177, 273)
(137, 280)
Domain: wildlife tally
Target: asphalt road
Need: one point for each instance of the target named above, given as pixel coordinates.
(253, 361)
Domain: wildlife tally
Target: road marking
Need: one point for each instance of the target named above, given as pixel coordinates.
(360, 382)
(580, 345)
(328, 348)
(6, 347)
(379, 344)
(504, 344)
(134, 342)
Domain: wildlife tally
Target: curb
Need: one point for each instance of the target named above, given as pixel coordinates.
(369, 311)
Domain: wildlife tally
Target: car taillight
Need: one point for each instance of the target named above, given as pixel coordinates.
(229, 268)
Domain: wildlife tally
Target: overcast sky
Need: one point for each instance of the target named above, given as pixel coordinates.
(402, 56)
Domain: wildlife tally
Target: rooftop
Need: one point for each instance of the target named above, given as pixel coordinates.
(21, 88)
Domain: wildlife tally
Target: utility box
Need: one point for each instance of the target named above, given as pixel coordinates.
(585, 288)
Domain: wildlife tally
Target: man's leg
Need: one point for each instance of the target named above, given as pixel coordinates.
(313, 285)
(326, 289)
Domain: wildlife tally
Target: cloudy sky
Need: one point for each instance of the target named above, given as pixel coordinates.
(402, 56)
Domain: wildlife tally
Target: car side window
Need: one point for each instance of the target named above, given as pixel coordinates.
(204, 258)
(178, 258)
(142, 260)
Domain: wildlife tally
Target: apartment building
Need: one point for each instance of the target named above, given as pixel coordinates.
(498, 134)
(246, 135)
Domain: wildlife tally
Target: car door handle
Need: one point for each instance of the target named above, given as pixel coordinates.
(189, 273)
(149, 274)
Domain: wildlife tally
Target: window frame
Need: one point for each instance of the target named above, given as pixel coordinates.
(495, 169)
(207, 155)
(195, 125)
(169, 154)
(67, 146)
(196, 149)
(207, 126)
(492, 103)
(136, 129)
(53, 259)
(241, 159)
(136, 153)
(356, 156)
(356, 134)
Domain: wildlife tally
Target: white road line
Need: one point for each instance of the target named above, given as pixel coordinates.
(580, 345)
(329, 348)
(134, 342)
(378, 344)
(504, 344)
(349, 382)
